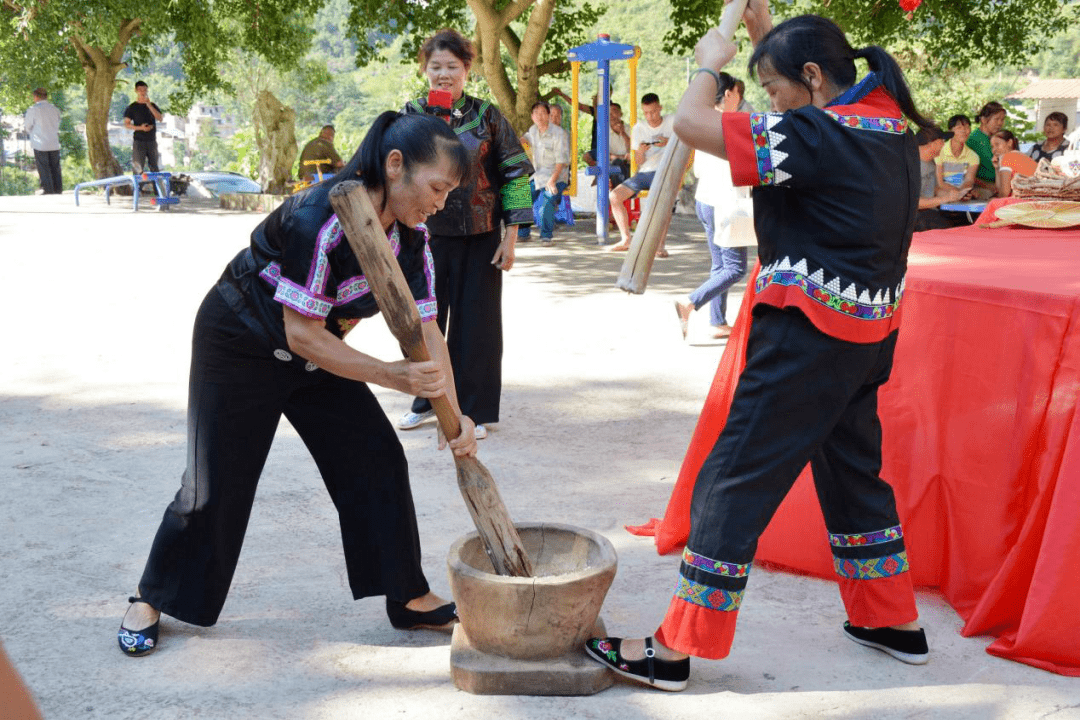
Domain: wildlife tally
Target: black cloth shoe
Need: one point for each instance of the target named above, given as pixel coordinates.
(136, 643)
(402, 618)
(668, 675)
(905, 645)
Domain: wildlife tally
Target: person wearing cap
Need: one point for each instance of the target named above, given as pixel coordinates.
(931, 141)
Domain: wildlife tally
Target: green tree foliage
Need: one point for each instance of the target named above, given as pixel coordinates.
(956, 54)
(57, 42)
(15, 181)
(948, 33)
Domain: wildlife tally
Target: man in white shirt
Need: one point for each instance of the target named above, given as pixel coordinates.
(550, 158)
(648, 139)
(42, 123)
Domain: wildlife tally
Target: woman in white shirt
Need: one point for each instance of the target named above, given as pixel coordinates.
(726, 214)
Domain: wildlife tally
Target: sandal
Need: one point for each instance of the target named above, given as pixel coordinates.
(136, 643)
(670, 675)
(662, 253)
(402, 618)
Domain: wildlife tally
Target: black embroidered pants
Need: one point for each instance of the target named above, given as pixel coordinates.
(804, 397)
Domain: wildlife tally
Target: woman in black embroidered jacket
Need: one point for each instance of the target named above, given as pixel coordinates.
(836, 179)
(268, 342)
(470, 251)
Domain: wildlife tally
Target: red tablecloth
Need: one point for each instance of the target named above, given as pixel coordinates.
(981, 440)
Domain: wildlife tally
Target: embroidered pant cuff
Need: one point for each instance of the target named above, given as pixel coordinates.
(697, 631)
(879, 602)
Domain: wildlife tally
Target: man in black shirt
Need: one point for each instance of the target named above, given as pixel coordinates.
(142, 117)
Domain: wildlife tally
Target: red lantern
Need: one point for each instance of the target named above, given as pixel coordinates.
(910, 5)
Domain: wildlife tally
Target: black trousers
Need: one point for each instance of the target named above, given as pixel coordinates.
(238, 392)
(144, 156)
(803, 397)
(468, 289)
(48, 168)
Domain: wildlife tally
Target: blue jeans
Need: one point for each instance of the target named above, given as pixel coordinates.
(728, 267)
(547, 215)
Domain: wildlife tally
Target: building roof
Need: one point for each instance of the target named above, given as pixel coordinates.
(1049, 89)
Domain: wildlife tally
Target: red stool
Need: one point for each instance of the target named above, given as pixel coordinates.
(633, 209)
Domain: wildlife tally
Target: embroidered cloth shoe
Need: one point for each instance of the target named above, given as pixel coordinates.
(670, 675)
(402, 618)
(905, 645)
(136, 643)
(411, 420)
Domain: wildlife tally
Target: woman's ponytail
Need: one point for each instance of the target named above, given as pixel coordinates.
(892, 77)
(812, 38)
(370, 159)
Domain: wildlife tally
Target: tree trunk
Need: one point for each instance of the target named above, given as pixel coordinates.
(100, 84)
(275, 136)
(101, 69)
(492, 31)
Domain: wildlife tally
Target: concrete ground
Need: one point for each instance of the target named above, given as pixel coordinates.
(601, 396)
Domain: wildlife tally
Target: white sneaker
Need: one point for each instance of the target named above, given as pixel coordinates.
(411, 420)
(481, 432)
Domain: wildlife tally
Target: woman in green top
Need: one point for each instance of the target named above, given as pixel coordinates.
(990, 118)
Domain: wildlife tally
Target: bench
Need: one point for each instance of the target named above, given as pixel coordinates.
(161, 183)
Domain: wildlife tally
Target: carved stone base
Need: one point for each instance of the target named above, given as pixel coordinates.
(485, 674)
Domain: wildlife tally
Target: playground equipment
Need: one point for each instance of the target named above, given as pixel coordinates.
(602, 52)
(309, 179)
(161, 182)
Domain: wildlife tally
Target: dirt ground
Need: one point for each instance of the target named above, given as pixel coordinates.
(601, 396)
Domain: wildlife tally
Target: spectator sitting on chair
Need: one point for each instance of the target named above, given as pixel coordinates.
(555, 111)
(42, 124)
(1002, 142)
(618, 139)
(320, 147)
(990, 118)
(929, 217)
(957, 163)
(1055, 145)
(648, 140)
(618, 148)
(550, 159)
(142, 116)
(588, 110)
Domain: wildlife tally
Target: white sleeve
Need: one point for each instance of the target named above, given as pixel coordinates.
(562, 150)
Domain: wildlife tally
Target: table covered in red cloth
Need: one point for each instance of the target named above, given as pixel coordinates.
(981, 440)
